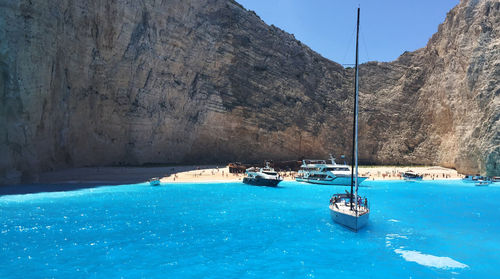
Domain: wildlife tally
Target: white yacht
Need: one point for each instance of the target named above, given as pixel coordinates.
(320, 172)
(483, 182)
(411, 176)
(473, 178)
(266, 176)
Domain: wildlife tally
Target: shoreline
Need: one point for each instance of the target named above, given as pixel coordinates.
(91, 177)
(372, 172)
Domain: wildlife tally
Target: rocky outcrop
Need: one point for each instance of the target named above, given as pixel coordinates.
(129, 83)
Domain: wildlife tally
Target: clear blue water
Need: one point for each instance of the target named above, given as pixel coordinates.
(438, 229)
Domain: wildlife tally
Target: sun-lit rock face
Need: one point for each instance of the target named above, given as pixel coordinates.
(129, 83)
(441, 104)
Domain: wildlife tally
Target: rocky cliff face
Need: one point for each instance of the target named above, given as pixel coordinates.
(444, 98)
(120, 82)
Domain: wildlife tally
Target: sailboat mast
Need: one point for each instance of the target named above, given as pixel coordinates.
(355, 139)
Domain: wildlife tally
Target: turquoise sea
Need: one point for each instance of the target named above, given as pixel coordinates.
(430, 229)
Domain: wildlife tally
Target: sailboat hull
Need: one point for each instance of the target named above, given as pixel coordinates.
(349, 221)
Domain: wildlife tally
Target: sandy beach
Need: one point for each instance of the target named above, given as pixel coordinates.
(373, 172)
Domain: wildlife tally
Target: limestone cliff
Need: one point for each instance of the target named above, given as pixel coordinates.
(444, 98)
(132, 82)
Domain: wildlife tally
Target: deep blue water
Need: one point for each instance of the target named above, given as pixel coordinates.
(435, 229)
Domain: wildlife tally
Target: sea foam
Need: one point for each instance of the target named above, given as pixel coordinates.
(430, 260)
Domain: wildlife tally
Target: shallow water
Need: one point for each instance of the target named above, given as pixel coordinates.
(434, 229)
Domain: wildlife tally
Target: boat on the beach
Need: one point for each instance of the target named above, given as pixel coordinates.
(320, 172)
(155, 181)
(411, 176)
(265, 176)
(347, 209)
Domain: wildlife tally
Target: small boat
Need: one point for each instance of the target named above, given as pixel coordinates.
(495, 179)
(155, 181)
(320, 172)
(347, 209)
(483, 183)
(411, 176)
(266, 176)
(473, 178)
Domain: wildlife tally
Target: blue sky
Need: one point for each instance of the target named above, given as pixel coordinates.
(387, 28)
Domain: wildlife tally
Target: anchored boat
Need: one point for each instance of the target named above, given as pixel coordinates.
(319, 172)
(347, 209)
(473, 178)
(483, 182)
(411, 176)
(266, 176)
(342, 212)
(155, 181)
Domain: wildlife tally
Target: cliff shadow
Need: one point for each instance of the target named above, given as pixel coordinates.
(84, 178)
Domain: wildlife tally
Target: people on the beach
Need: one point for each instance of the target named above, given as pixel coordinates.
(199, 173)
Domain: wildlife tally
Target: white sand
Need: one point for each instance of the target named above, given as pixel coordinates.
(374, 173)
(211, 173)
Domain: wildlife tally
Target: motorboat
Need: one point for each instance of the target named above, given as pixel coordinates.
(155, 181)
(483, 182)
(347, 209)
(320, 172)
(474, 178)
(478, 180)
(265, 176)
(411, 176)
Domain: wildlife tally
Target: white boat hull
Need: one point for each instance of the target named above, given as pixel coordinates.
(349, 221)
(341, 181)
(154, 183)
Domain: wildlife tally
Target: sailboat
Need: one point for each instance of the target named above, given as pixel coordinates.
(349, 209)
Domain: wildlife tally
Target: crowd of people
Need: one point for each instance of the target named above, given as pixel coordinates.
(362, 203)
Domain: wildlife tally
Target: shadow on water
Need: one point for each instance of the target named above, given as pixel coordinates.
(21, 189)
(85, 178)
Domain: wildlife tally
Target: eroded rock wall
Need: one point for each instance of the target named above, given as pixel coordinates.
(128, 83)
(444, 98)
